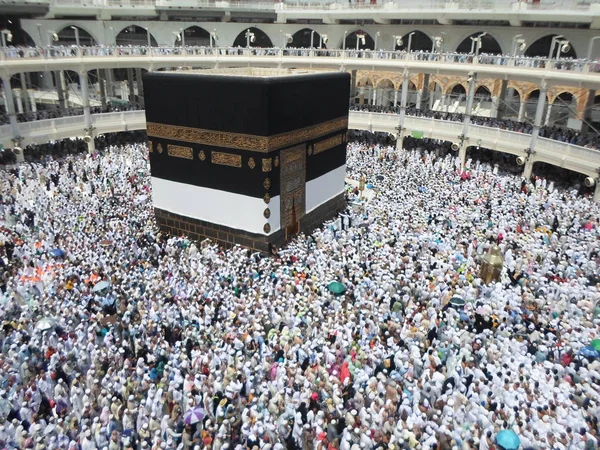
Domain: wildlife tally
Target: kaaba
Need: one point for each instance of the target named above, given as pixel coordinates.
(246, 156)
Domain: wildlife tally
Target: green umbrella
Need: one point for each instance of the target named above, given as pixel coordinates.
(457, 301)
(336, 288)
(595, 344)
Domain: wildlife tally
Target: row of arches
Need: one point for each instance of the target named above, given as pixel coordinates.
(305, 38)
(560, 106)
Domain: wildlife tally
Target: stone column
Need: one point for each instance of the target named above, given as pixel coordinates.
(467, 119)
(548, 114)
(130, 84)
(419, 99)
(101, 86)
(24, 93)
(58, 85)
(32, 97)
(522, 110)
(425, 91)
(528, 168)
(87, 116)
(403, 102)
(140, 86)
(597, 192)
(353, 83)
(539, 112)
(32, 101)
(499, 105)
(108, 76)
(10, 107)
(18, 95)
(585, 115)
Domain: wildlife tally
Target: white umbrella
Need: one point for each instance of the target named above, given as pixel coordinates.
(100, 286)
(44, 324)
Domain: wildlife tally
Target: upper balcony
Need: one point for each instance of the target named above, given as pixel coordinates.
(444, 12)
(552, 72)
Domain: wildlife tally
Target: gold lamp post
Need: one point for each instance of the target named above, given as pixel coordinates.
(491, 266)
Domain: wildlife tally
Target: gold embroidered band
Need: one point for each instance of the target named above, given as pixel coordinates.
(180, 152)
(261, 144)
(328, 143)
(226, 159)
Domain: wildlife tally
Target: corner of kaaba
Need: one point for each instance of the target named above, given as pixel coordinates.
(246, 156)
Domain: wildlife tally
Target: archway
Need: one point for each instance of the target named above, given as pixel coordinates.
(302, 39)
(385, 93)
(411, 99)
(563, 178)
(512, 103)
(429, 145)
(360, 38)
(506, 162)
(135, 35)
(21, 38)
(260, 39)
(564, 107)
(420, 42)
(489, 45)
(531, 103)
(194, 36)
(435, 100)
(364, 89)
(127, 88)
(458, 90)
(482, 93)
(68, 36)
(541, 48)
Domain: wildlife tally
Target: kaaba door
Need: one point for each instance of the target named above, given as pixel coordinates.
(293, 188)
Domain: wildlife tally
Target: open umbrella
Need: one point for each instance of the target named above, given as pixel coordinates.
(193, 415)
(595, 344)
(106, 243)
(380, 177)
(589, 352)
(369, 186)
(57, 253)
(336, 288)
(508, 440)
(101, 286)
(457, 301)
(44, 324)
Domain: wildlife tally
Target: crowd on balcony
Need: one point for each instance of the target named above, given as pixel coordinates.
(564, 63)
(589, 140)
(116, 336)
(56, 113)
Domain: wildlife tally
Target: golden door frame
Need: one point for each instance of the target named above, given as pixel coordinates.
(292, 187)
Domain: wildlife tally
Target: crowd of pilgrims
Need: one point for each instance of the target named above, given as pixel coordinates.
(187, 345)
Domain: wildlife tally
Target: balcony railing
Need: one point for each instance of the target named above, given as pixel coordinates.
(291, 5)
(55, 52)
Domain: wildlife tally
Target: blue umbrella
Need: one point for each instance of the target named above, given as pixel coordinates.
(589, 352)
(369, 186)
(508, 440)
(57, 253)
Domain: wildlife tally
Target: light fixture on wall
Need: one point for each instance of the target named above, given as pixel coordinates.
(6, 37)
(522, 160)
